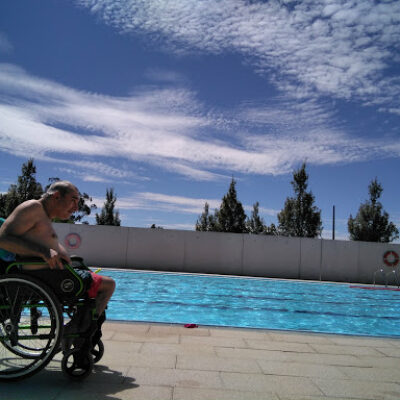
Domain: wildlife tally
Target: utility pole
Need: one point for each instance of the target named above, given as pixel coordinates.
(333, 223)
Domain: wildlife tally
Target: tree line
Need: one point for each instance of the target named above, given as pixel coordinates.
(299, 216)
(28, 188)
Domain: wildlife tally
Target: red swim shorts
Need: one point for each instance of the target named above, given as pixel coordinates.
(94, 287)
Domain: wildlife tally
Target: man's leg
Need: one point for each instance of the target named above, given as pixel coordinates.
(106, 290)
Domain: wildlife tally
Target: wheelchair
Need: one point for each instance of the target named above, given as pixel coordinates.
(34, 306)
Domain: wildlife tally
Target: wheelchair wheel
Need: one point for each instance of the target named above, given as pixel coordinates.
(29, 338)
(76, 365)
(97, 351)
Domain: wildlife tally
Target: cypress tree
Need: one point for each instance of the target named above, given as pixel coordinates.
(231, 216)
(255, 224)
(371, 223)
(107, 215)
(27, 188)
(300, 217)
(207, 222)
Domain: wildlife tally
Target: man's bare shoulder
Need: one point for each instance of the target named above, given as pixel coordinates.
(26, 215)
(30, 206)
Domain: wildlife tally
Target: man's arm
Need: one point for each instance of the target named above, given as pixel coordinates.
(13, 230)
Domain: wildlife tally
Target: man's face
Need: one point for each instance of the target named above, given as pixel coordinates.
(68, 204)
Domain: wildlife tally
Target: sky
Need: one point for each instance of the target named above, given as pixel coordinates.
(166, 101)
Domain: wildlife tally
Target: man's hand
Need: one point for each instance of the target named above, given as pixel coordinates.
(55, 259)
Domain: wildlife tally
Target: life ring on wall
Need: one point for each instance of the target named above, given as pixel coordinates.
(391, 258)
(72, 241)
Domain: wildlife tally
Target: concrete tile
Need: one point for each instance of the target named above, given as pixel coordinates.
(221, 363)
(380, 362)
(123, 393)
(340, 349)
(322, 397)
(359, 389)
(46, 384)
(312, 358)
(173, 377)
(372, 374)
(389, 351)
(121, 346)
(270, 383)
(280, 346)
(257, 334)
(160, 331)
(140, 360)
(145, 337)
(214, 363)
(363, 341)
(299, 337)
(301, 369)
(213, 394)
(189, 349)
(214, 341)
(125, 327)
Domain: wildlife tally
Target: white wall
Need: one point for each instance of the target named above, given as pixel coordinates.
(226, 253)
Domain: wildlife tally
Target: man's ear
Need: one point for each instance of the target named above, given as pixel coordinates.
(57, 195)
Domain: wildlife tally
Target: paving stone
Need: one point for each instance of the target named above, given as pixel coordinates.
(339, 349)
(297, 337)
(213, 394)
(175, 377)
(189, 349)
(372, 374)
(312, 358)
(214, 341)
(359, 389)
(142, 360)
(270, 383)
(240, 333)
(389, 351)
(221, 363)
(145, 337)
(123, 393)
(214, 363)
(381, 362)
(280, 346)
(301, 369)
(364, 341)
(160, 331)
(125, 327)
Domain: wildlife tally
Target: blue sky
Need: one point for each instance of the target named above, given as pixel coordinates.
(165, 101)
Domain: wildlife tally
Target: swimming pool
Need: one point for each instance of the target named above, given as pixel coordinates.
(253, 303)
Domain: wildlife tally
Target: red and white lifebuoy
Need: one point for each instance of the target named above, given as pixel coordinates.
(72, 241)
(391, 258)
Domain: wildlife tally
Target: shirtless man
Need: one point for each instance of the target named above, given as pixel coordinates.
(28, 232)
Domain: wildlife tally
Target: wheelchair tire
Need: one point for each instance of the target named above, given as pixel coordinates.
(97, 351)
(77, 370)
(27, 346)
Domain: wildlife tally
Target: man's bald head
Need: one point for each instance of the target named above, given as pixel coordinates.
(62, 187)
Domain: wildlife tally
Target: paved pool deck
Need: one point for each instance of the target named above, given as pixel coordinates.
(169, 362)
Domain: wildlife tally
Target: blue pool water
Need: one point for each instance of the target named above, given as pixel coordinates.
(255, 303)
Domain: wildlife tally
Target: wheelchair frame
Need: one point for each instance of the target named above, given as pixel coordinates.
(32, 330)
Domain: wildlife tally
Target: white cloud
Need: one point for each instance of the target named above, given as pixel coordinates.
(329, 47)
(150, 201)
(167, 129)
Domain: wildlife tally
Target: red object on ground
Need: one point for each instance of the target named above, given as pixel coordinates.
(191, 326)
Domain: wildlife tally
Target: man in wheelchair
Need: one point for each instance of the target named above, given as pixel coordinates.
(28, 232)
